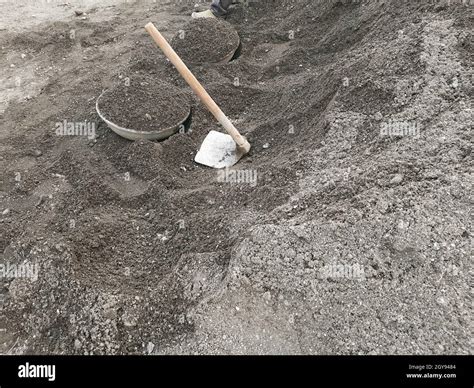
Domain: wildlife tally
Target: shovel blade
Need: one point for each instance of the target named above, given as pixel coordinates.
(218, 150)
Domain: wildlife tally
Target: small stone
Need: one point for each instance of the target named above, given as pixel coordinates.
(6, 212)
(78, 12)
(23, 56)
(455, 83)
(397, 179)
(95, 244)
(150, 347)
(40, 200)
(37, 153)
(383, 206)
(402, 225)
(129, 317)
(265, 146)
(148, 117)
(77, 344)
(129, 322)
(442, 301)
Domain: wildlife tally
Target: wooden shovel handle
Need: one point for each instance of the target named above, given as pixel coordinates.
(241, 141)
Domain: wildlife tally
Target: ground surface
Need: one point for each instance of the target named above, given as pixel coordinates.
(360, 122)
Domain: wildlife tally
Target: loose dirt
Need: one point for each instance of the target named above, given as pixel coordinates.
(144, 104)
(206, 41)
(359, 117)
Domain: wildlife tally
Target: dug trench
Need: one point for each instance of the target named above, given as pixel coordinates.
(132, 238)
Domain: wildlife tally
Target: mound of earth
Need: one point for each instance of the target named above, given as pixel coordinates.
(144, 104)
(206, 41)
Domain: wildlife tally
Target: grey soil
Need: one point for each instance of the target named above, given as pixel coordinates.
(206, 41)
(144, 104)
(140, 250)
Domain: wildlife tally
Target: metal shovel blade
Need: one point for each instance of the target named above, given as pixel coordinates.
(218, 150)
